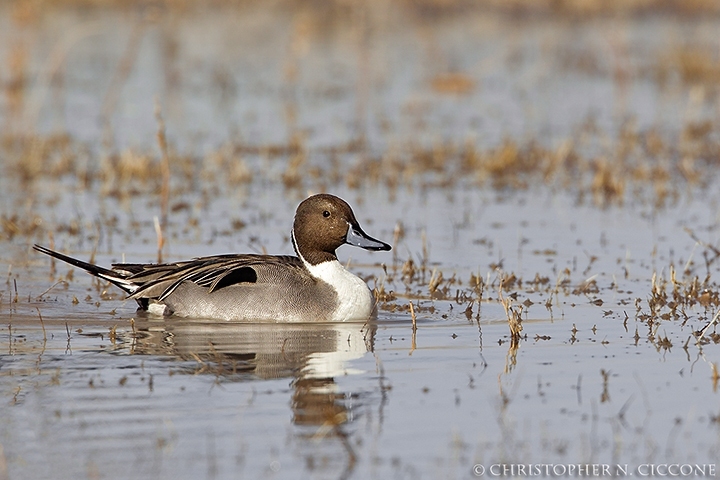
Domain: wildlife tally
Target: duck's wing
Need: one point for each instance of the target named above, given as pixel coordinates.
(158, 281)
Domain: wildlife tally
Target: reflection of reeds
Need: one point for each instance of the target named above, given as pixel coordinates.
(605, 395)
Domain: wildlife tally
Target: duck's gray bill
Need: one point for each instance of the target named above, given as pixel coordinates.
(358, 238)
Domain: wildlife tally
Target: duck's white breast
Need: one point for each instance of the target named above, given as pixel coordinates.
(355, 301)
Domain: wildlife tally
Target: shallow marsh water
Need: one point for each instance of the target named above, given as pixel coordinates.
(601, 373)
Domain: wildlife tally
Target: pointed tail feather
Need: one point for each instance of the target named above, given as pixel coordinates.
(116, 278)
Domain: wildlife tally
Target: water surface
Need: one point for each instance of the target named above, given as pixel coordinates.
(262, 107)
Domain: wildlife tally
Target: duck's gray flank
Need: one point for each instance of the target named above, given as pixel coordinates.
(313, 286)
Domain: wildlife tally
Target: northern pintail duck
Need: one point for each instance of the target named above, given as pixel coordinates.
(313, 286)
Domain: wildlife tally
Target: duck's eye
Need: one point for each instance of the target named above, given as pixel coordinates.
(326, 214)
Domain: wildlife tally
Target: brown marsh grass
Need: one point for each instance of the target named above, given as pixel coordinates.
(598, 167)
(639, 166)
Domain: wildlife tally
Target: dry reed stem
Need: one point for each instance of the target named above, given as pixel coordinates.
(714, 321)
(160, 239)
(59, 282)
(514, 318)
(414, 317)
(42, 324)
(413, 340)
(51, 241)
(165, 186)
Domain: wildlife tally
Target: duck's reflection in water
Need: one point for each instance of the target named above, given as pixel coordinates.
(312, 355)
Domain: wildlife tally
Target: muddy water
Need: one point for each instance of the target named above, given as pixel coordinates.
(92, 389)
